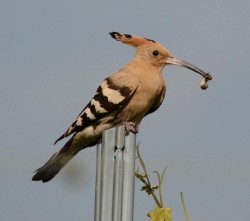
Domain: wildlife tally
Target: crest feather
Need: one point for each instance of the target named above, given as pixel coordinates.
(131, 39)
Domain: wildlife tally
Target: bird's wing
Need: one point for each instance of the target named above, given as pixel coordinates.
(114, 92)
(158, 101)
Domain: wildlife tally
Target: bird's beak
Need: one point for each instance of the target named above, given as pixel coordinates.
(176, 61)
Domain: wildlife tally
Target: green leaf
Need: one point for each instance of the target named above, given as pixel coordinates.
(140, 175)
(160, 214)
(155, 187)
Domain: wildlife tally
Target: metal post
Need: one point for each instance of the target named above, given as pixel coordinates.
(115, 167)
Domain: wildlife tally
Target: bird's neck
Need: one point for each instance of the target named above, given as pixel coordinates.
(138, 66)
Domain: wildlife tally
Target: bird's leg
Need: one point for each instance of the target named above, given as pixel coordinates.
(130, 127)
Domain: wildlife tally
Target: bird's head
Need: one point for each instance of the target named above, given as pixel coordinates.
(152, 52)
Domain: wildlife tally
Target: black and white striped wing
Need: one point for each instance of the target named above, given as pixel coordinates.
(110, 95)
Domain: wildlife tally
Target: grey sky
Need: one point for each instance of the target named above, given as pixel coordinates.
(54, 54)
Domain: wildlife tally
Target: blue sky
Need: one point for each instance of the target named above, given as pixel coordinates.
(54, 54)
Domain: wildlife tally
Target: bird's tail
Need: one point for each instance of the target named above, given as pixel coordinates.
(54, 165)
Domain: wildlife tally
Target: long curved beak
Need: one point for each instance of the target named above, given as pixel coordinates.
(176, 61)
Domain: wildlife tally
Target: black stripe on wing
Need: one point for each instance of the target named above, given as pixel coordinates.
(108, 98)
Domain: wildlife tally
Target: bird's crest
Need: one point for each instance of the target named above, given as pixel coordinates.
(132, 39)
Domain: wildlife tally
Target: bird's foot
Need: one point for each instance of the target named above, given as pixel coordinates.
(130, 127)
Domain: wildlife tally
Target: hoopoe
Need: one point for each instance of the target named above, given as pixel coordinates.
(125, 97)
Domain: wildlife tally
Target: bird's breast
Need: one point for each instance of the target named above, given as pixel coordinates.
(143, 99)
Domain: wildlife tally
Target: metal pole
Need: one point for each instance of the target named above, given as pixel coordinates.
(98, 181)
(129, 178)
(107, 174)
(118, 181)
(115, 166)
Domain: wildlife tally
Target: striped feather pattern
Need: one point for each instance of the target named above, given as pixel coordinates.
(109, 97)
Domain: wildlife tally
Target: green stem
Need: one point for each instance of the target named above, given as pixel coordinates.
(156, 200)
(145, 171)
(160, 186)
(184, 207)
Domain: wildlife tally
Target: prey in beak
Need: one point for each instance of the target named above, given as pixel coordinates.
(206, 76)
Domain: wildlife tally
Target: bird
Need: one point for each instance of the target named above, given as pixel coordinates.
(124, 98)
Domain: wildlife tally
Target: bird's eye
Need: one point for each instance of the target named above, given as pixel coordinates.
(155, 53)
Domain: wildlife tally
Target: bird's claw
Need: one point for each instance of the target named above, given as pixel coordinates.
(130, 127)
